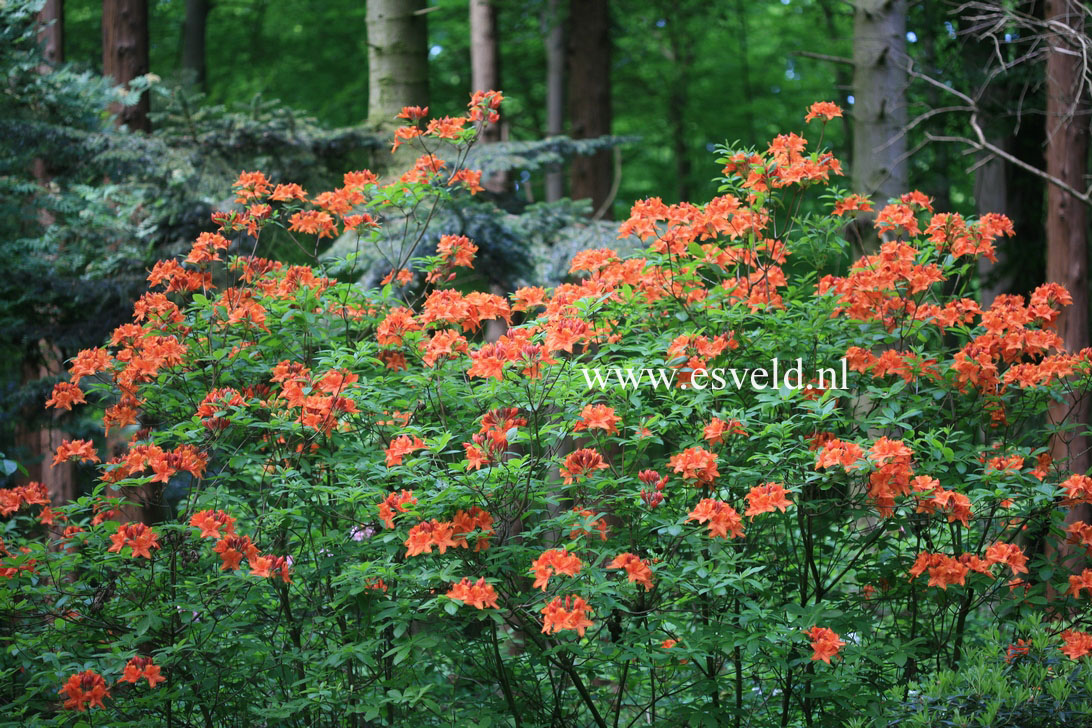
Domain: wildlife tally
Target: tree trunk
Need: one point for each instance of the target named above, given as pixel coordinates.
(590, 97)
(193, 39)
(397, 58)
(51, 31)
(879, 108)
(485, 73)
(1067, 135)
(125, 54)
(554, 32)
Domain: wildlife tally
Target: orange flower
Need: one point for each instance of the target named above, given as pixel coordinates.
(824, 643)
(232, 549)
(599, 523)
(478, 595)
(826, 109)
(1077, 644)
(553, 561)
(1079, 582)
(669, 643)
(139, 667)
(1010, 554)
(573, 613)
(636, 569)
(835, 452)
(598, 416)
(395, 501)
(65, 394)
(210, 522)
(82, 449)
(765, 498)
(717, 428)
(457, 250)
(722, 518)
(427, 534)
(696, 463)
(401, 446)
(84, 689)
(137, 536)
(581, 464)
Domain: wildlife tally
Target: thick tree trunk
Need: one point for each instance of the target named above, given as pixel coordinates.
(193, 39)
(1067, 137)
(125, 53)
(51, 31)
(590, 97)
(879, 108)
(553, 30)
(397, 58)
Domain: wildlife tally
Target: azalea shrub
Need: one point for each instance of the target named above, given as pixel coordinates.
(595, 504)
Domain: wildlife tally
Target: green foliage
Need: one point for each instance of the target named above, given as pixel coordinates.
(1034, 687)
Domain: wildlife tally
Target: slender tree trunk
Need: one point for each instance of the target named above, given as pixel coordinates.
(879, 108)
(590, 96)
(485, 73)
(397, 58)
(51, 31)
(193, 39)
(125, 54)
(1067, 137)
(554, 31)
(991, 194)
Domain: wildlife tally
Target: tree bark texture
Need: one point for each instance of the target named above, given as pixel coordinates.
(590, 97)
(879, 91)
(193, 39)
(553, 31)
(51, 31)
(125, 54)
(397, 58)
(1067, 139)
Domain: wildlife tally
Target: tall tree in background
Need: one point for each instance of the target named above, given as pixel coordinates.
(397, 58)
(553, 30)
(590, 97)
(193, 39)
(879, 90)
(125, 53)
(485, 72)
(51, 31)
(1067, 138)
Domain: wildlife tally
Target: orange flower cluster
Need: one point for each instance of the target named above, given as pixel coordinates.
(1080, 532)
(1078, 582)
(137, 536)
(491, 440)
(696, 464)
(554, 561)
(65, 394)
(696, 351)
(82, 449)
(210, 522)
(450, 534)
(581, 464)
(906, 365)
(572, 613)
(1077, 644)
(12, 499)
(637, 569)
(765, 498)
(1078, 489)
(597, 417)
(83, 690)
(835, 452)
(825, 643)
(717, 428)
(944, 570)
(164, 463)
(401, 446)
(882, 286)
(478, 595)
(232, 549)
(722, 518)
(826, 110)
(215, 402)
(395, 502)
(142, 667)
